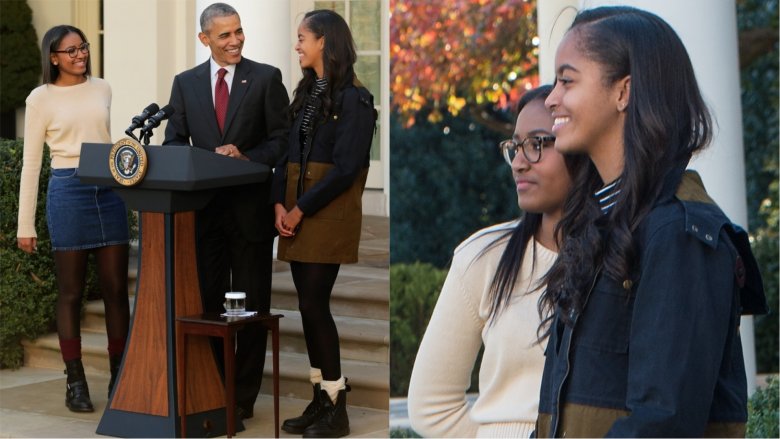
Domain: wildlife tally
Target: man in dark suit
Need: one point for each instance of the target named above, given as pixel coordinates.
(235, 107)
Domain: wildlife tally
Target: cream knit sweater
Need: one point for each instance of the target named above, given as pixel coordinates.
(63, 118)
(511, 370)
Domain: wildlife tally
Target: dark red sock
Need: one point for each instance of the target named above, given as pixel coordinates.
(116, 346)
(70, 348)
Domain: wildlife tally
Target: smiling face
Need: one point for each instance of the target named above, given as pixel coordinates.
(71, 70)
(589, 114)
(225, 38)
(310, 49)
(541, 187)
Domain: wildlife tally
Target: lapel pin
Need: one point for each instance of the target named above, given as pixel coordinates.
(243, 81)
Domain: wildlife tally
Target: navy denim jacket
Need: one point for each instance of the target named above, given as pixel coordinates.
(659, 355)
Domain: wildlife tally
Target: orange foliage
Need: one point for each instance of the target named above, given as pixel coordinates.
(447, 55)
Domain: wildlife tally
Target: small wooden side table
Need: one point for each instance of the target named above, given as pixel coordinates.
(213, 325)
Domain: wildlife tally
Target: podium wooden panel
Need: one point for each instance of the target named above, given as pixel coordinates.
(144, 402)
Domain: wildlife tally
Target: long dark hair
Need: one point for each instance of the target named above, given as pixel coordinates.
(666, 122)
(508, 268)
(50, 43)
(338, 56)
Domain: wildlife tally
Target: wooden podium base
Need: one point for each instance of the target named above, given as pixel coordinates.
(144, 402)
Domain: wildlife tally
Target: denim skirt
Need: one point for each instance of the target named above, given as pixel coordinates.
(82, 216)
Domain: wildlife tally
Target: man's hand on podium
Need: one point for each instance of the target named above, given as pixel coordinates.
(231, 151)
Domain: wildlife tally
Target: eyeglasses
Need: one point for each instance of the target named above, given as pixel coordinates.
(531, 146)
(71, 51)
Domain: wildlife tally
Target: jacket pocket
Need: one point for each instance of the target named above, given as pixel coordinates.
(605, 324)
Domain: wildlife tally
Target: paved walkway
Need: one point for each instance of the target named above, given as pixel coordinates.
(32, 404)
(32, 399)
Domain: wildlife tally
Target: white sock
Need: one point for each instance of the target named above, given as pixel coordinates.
(333, 387)
(315, 375)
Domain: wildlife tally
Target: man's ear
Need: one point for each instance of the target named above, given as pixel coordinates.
(203, 38)
(623, 89)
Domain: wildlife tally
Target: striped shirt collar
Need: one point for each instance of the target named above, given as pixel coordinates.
(606, 196)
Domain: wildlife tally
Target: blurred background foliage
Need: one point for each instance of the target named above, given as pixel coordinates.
(20, 62)
(758, 28)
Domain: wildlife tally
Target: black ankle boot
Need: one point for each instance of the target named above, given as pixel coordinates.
(77, 392)
(333, 421)
(114, 361)
(310, 414)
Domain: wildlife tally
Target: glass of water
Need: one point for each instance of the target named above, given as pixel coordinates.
(235, 303)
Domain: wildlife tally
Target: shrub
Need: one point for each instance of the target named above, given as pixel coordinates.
(403, 433)
(28, 292)
(763, 411)
(20, 61)
(27, 288)
(759, 81)
(414, 289)
(445, 186)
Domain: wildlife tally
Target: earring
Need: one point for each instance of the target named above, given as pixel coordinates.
(56, 64)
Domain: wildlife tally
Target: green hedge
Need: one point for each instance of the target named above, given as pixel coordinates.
(20, 66)
(28, 291)
(448, 180)
(759, 86)
(763, 411)
(414, 289)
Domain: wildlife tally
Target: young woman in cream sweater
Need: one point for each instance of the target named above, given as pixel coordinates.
(72, 107)
(490, 298)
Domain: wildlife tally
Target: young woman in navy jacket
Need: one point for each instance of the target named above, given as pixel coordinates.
(318, 187)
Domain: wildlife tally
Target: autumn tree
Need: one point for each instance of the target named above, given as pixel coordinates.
(461, 54)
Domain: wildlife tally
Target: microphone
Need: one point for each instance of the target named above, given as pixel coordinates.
(154, 121)
(141, 118)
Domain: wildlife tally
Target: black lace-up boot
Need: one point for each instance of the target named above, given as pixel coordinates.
(333, 420)
(310, 414)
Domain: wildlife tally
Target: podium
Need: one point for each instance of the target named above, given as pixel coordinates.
(178, 181)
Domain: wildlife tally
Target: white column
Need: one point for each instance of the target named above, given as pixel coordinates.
(385, 105)
(712, 46)
(146, 43)
(266, 26)
(553, 19)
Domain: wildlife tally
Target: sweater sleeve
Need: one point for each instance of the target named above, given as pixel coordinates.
(442, 370)
(32, 159)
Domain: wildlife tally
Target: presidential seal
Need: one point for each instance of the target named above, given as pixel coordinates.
(127, 162)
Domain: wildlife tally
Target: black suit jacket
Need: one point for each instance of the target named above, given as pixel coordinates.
(256, 122)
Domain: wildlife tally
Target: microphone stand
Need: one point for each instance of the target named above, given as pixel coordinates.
(130, 133)
(146, 136)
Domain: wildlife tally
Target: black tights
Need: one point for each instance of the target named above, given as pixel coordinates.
(71, 269)
(314, 283)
